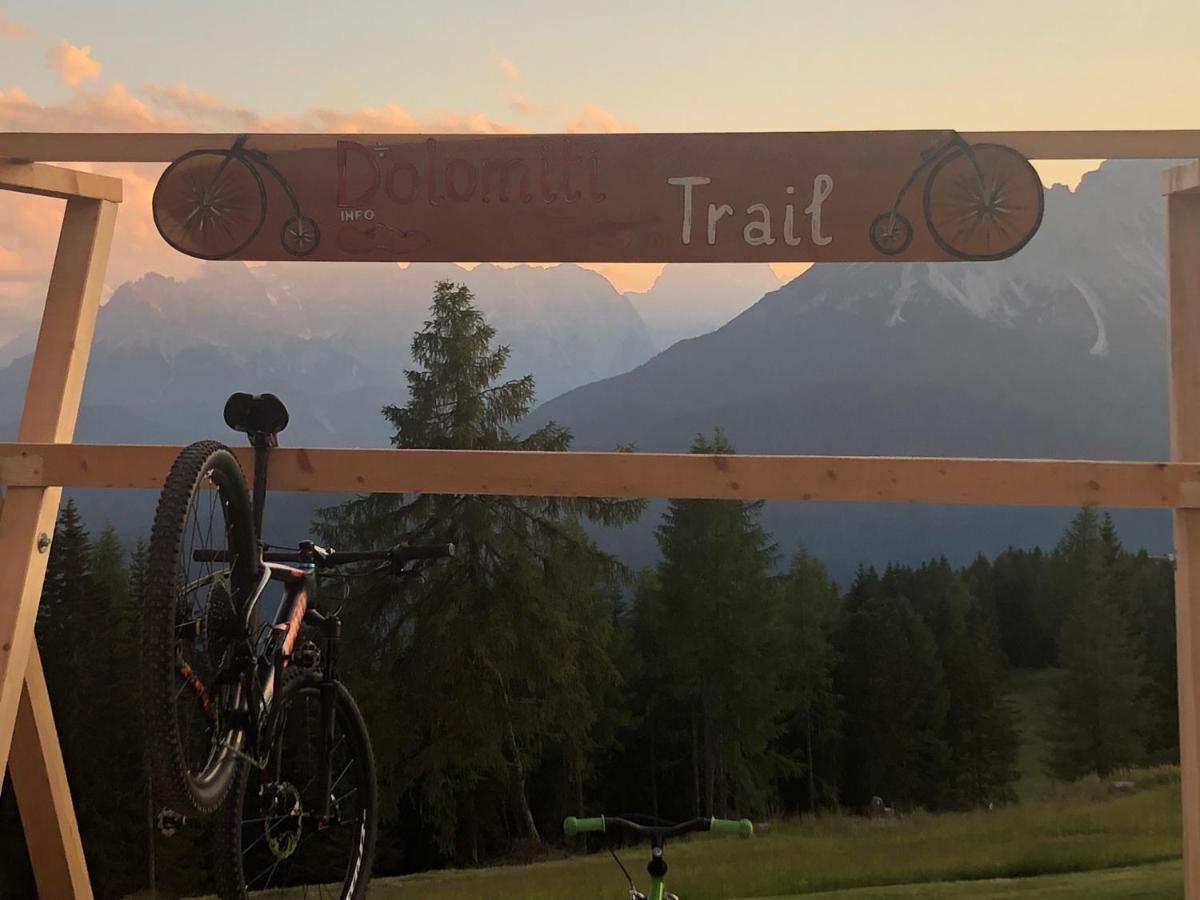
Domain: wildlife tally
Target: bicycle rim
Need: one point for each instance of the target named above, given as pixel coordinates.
(191, 623)
(272, 835)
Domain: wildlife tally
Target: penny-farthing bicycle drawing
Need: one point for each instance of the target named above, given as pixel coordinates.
(981, 202)
(212, 203)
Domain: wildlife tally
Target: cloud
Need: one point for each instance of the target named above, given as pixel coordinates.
(11, 29)
(29, 225)
(179, 98)
(15, 266)
(511, 72)
(74, 65)
(597, 119)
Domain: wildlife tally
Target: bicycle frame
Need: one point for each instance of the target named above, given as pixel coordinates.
(239, 150)
(928, 158)
(298, 607)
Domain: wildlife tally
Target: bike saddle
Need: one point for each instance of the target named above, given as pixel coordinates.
(256, 414)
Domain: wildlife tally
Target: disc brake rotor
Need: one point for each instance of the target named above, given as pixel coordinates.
(284, 820)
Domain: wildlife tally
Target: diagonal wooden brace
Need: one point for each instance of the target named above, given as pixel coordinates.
(28, 514)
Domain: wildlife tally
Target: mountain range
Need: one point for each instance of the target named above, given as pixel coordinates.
(1059, 351)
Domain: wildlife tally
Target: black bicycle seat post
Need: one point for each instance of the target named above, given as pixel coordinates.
(262, 442)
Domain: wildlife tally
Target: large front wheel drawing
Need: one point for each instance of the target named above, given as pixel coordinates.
(984, 204)
(274, 831)
(192, 625)
(210, 204)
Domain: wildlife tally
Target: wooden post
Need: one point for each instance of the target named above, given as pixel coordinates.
(1183, 263)
(27, 522)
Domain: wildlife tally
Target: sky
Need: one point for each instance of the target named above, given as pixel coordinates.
(650, 66)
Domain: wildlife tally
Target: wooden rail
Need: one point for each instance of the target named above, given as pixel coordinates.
(159, 147)
(818, 478)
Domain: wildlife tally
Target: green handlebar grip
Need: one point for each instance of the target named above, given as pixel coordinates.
(573, 826)
(740, 827)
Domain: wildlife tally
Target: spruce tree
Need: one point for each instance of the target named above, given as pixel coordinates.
(1098, 721)
(894, 700)
(980, 729)
(722, 642)
(471, 677)
(813, 728)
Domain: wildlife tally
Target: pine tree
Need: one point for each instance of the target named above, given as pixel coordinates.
(814, 727)
(980, 729)
(722, 643)
(1097, 723)
(66, 597)
(894, 700)
(471, 677)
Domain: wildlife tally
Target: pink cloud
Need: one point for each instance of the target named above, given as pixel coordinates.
(179, 98)
(519, 104)
(74, 65)
(597, 119)
(11, 29)
(29, 225)
(511, 72)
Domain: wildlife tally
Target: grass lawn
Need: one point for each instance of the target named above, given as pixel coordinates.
(1154, 881)
(1080, 829)
(1031, 693)
(1061, 841)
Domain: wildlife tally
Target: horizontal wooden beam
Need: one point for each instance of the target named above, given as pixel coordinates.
(1183, 179)
(53, 181)
(86, 147)
(1021, 482)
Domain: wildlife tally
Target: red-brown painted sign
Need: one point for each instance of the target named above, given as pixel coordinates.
(826, 196)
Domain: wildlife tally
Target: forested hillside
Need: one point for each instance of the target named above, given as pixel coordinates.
(534, 676)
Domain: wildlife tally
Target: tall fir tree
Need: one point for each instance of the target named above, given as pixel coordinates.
(1097, 722)
(980, 728)
(720, 608)
(894, 700)
(813, 728)
(470, 677)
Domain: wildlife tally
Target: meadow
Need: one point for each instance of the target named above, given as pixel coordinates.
(1081, 840)
(1077, 840)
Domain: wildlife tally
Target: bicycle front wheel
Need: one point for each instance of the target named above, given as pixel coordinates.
(192, 622)
(983, 205)
(210, 204)
(273, 832)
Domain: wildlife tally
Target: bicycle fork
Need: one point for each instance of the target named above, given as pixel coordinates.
(333, 626)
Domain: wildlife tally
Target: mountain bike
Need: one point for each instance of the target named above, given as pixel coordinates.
(245, 714)
(212, 203)
(658, 834)
(981, 202)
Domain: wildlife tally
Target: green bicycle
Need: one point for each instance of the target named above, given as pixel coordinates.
(657, 867)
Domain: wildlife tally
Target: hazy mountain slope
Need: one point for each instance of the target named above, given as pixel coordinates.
(1059, 352)
(332, 340)
(690, 300)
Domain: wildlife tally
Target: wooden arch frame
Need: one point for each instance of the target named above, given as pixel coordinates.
(43, 460)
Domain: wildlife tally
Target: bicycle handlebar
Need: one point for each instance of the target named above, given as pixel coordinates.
(399, 555)
(741, 827)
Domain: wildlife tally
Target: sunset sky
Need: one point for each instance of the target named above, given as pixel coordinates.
(565, 66)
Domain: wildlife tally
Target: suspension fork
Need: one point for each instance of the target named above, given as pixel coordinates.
(333, 632)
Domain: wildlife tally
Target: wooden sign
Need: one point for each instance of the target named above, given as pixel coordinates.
(824, 196)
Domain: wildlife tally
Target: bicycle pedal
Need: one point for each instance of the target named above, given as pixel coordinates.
(169, 822)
